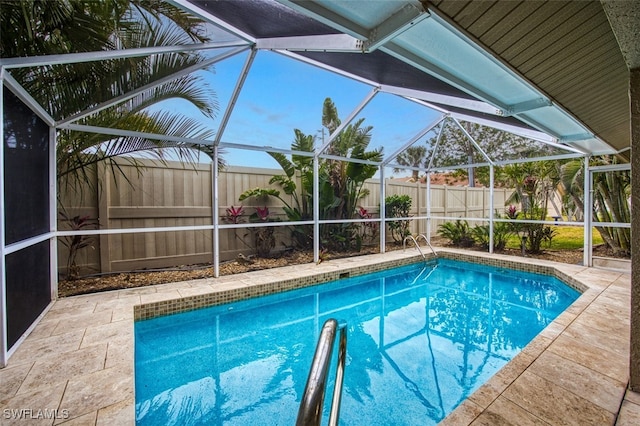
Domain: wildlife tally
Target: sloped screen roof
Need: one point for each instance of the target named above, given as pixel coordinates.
(265, 18)
(567, 49)
(553, 66)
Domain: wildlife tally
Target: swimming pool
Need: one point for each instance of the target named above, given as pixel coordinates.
(421, 339)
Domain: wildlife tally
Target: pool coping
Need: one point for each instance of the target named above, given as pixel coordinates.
(78, 360)
(188, 303)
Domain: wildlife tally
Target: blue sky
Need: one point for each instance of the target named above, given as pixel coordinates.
(281, 94)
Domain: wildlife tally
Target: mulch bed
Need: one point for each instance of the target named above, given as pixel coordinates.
(143, 278)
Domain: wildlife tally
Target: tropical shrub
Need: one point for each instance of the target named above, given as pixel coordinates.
(368, 230)
(534, 183)
(611, 191)
(341, 182)
(398, 206)
(302, 234)
(533, 234)
(501, 233)
(234, 215)
(458, 233)
(75, 243)
(264, 239)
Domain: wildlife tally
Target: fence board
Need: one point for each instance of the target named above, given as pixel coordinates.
(156, 212)
(173, 195)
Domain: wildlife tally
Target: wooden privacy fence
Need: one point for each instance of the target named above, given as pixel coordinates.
(175, 195)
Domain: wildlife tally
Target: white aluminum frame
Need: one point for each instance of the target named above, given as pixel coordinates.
(589, 223)
(4, 356)
(6, 249)
(353, 39)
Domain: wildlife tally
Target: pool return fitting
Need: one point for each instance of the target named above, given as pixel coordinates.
(310, 411)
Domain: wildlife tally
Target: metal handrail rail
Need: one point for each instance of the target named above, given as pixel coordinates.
(428, 243)
(412, 238)
(415, 241)
(310, 411)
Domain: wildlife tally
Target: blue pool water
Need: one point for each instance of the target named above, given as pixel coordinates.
(420, 340)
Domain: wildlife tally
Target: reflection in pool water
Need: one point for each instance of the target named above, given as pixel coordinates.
(420, 340)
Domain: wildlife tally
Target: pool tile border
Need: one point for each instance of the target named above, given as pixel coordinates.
(245, 291)
(189, 303)
(535, 268)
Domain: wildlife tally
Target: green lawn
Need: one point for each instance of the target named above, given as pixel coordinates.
(565, 238)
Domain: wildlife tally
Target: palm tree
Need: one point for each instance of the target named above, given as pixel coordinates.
(341, 183)
(414, 156)
(347, 178)
(534, 183)
(40, 28)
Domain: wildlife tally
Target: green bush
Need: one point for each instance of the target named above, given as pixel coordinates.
(502, 231)
(397, 206)
(535, 233)
(458, 233)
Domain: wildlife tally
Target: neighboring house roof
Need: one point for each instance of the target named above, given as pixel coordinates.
(450, 179)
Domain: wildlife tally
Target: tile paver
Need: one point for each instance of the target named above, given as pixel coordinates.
(602, 360)
(505, 413)
(79, 359)
(581, 381)
(53, 370)
(555, 404)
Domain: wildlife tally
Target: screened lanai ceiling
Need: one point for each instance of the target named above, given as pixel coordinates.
(555, 67)
(549, 71)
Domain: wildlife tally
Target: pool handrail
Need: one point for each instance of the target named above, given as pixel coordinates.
(311, 404)
(426, 240)
(415, 242)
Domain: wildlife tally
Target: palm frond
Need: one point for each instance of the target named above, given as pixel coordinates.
(192, 26)
(77, 150)
(169, 123)
(287, 166)
(188, 88)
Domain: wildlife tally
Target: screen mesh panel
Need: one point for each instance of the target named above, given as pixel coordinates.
(26, 171)
(27, 288)
(26, 174)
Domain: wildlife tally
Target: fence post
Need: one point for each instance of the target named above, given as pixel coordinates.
(484, 201)
(466, 201)
(104, 200)
(445, 202)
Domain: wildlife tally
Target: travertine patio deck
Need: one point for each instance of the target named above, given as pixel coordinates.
(77, 364)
